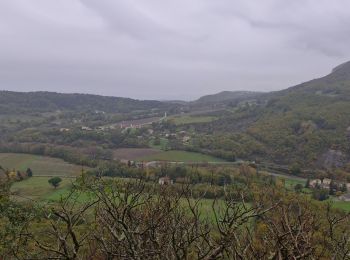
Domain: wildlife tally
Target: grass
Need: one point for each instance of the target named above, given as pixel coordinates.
(162, 146)
(180, 156)
(38, 188)
(40, 165)
(206, 208)
(187, 119)
(344, 205)
(133, 153)
(290, 183)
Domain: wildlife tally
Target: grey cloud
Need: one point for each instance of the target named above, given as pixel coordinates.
(125, 17)
(169, 49)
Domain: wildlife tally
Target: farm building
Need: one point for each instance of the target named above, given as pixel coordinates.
(315, 182)
(186, 139)
(326, 182)
(165, 181)
(86, 128)
(321, 183)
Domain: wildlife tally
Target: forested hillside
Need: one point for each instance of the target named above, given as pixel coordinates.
(11, 102)
(228, 96)
(308, 123)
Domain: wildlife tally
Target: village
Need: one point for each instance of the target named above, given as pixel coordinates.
(339, 189)
(146, 131)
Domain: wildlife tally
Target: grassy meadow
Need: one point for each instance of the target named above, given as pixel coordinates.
(290, 182)
(40, 165)
(38, 189)
(162, 145)
(133, 153)
(344, 205)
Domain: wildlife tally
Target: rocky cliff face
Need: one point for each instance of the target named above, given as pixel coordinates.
(332, 159)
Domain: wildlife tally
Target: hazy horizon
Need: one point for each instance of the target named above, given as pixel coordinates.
(160, 99)
(167, 50)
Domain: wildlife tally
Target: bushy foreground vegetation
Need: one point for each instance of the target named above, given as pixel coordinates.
(134, 219)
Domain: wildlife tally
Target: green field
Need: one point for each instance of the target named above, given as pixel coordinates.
(38, 188)
(40, 165)
(187, 119)
(290, 183)
(162, 146)
(344, 205)
(180, 156)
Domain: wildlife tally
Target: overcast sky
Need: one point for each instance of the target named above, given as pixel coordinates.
(169, 49)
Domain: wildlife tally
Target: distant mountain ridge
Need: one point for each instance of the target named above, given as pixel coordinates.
(51, 101)
(227, 96)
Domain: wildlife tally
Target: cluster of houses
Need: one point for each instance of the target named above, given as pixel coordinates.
(88, 129)
(165, 181)
(124, 125)
(136, 124)
(326, 184)
(132, 126)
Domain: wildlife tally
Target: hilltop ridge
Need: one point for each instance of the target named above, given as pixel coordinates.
(227, 95)
(303, 124)
(22, 102)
